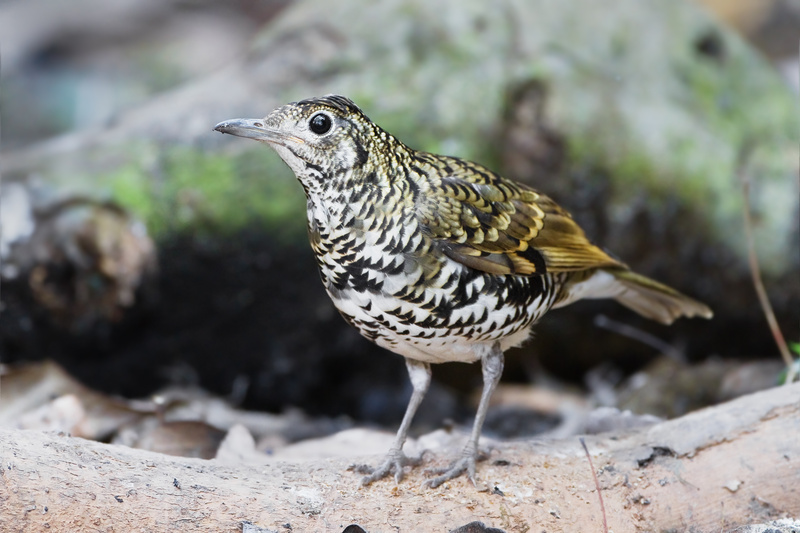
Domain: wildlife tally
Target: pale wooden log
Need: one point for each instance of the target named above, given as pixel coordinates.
(711, 470)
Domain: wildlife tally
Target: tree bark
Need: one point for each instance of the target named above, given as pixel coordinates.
(711, 470)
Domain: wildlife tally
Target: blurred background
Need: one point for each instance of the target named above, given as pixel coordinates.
(143, 252)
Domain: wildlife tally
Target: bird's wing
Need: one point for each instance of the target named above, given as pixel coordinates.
(497, 226)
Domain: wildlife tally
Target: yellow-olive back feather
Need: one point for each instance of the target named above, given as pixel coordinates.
(494, 225)
(498, 226)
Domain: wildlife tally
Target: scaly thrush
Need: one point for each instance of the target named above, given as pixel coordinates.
(436, 258)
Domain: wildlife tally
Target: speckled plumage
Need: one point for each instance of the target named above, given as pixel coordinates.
(437, 258)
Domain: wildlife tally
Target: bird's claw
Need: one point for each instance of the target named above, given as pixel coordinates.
(466, 463)
(395, 461)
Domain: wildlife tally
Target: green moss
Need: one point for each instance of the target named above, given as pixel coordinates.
(270, 193)
(407, 128)
(210, 194)
(130, 187)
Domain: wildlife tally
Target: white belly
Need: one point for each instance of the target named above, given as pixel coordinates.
(376, 316)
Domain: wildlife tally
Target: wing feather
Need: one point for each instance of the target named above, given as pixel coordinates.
(497, 226)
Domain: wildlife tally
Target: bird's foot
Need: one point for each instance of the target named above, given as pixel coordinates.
(466, 463)
(395, 461)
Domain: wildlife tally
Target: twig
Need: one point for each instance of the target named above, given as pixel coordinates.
(596, 484)
(755, 270)
(626, 330)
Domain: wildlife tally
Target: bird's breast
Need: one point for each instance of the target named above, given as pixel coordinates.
(391, 281)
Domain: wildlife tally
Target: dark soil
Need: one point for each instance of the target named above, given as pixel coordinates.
(248, 319)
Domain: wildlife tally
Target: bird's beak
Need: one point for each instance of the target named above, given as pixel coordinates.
(254, 128)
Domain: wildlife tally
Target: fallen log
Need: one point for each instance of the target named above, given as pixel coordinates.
(712, 470)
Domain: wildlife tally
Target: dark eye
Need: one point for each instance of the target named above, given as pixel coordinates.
(320, 123)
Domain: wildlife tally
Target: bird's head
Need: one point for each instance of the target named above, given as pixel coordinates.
(326, 141)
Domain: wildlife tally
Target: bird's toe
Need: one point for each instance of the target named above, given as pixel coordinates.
(396, 462)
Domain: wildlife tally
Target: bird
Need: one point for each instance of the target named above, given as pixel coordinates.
(438, 258)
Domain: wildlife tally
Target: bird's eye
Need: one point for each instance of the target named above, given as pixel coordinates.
(320, 123)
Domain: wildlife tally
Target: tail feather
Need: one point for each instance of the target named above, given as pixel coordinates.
(655, 300)
(647, 297)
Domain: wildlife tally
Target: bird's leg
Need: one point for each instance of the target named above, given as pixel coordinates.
(396, 460)
(492, 366)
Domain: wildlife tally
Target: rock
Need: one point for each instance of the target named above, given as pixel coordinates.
(605, 119)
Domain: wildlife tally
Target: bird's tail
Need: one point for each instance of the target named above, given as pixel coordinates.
(655, 300)
(647, 297)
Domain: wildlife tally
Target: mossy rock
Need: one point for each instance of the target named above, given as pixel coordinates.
(652, 100)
